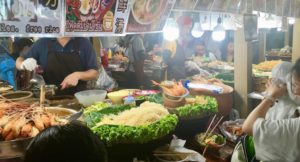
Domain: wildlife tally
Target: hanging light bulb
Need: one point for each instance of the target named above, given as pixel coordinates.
(219, 32)
(171, 31)
(197, 31)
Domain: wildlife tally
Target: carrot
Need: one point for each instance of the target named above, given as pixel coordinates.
(7, 128)
(26, 130)
(34, 132)
(46, 120)
(38, 122)
(9, 136)
(16, 129)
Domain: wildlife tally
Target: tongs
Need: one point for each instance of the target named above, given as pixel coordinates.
(37, 79)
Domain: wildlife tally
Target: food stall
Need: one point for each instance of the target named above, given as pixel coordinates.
(146, 124)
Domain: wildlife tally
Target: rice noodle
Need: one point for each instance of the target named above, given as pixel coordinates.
(147, 113)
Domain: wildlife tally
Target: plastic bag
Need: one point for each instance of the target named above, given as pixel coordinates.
(105, 81)
(280, 72)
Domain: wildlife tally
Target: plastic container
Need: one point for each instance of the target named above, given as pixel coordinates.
(89, 97)
(117, 96)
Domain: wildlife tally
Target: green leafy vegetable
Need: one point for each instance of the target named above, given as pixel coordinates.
(197, 109)
(112, 134)
(156, 98)
(93, 114)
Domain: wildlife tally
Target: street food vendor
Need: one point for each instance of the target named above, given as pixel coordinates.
(67, 62)
(201, 51)
(175, 53)
(276, 139)
(228, 51)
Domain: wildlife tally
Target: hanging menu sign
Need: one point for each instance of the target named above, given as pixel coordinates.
(30, 17)
(96, 17)
(149, 16)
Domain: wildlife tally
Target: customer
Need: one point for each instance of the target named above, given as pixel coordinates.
(67, 62)
(228, 51)
(136, 54)
(69, 143)
(276, 140)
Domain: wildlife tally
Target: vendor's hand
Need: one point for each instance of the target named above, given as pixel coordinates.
(70, 81)
(29, 64)
(275, 91)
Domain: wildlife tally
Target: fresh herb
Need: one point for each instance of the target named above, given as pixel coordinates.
(156, 98)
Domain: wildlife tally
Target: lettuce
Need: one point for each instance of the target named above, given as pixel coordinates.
(112, 134)
(197, 109)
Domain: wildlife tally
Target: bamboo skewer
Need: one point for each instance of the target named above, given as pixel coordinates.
(209, 127)
(42, 96)
(216, 125)
(5, 99)
(205, 149)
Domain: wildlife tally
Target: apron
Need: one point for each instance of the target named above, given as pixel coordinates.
(60, 65)
(176, 66)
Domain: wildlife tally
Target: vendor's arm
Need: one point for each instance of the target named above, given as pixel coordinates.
(19, 62)
(273, 92)
(72, 79)
(30, 60)
(89, 64)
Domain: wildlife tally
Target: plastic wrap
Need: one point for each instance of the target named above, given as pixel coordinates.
(105, 81)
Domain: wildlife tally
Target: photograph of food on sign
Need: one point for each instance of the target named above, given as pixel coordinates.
(149, 15)
(204, 5)
(90, 15)
(219, 5)
(259, 5)
(18, 10)
(185, 4)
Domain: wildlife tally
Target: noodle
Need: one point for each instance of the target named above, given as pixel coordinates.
(147, 113)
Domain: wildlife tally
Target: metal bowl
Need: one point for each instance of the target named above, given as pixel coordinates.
(14, 148)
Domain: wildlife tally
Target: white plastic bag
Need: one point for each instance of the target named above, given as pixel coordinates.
(105, 81)
(280, 72)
